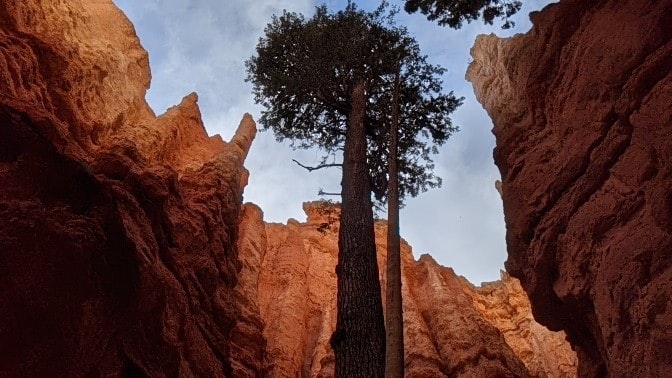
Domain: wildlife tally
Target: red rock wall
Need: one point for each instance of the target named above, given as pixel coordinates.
(583, 121)
(451, 327)
(117, 228)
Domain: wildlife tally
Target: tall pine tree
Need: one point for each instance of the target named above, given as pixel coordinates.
(327, 81)
(394, 314)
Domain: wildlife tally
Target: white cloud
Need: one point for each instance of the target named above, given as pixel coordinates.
(201, 46)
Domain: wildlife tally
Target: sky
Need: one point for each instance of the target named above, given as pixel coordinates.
(201, 46)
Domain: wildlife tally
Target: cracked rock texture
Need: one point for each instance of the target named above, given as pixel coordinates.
(451, 327)
(117, 227)
(582, 115)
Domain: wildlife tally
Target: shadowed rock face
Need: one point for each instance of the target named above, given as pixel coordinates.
(451, 327)
(581, 107)
(117, 228)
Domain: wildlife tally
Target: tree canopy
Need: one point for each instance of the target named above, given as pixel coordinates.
(455, 12)
(305, 70)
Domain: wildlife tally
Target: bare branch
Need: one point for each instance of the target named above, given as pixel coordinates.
(323, 193)
(310, 169)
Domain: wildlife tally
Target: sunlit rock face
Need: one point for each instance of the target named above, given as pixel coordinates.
(117, 228)
(581, 107)
(451, 327)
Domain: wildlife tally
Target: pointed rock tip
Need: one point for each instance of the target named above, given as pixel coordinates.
(245, 133)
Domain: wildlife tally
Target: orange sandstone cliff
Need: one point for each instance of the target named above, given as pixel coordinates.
(117, 227)
(583, 120)
(451, 327)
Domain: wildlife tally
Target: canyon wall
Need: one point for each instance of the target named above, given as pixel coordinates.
(583, 121)
(117, 227)
(451, 328)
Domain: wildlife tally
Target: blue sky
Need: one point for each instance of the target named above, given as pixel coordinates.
(201, 45)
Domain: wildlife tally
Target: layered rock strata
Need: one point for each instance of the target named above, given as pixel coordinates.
(582, 115)
(451, 327)
(117, 227)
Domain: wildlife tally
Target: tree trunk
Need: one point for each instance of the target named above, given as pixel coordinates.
(359, 339)
(394, 357)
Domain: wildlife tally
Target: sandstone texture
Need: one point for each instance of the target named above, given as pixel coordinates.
(117, 227)
(583, 119)
(452, 328)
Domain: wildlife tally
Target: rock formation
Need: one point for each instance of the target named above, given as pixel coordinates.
(581, 107)
(451, 327)
(117, 228)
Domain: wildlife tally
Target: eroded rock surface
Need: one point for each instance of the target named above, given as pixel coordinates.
(451, 327)
(117, 228)
(581, 107)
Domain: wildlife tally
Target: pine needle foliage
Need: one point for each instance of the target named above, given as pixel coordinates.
(304, 72)
(454, 13)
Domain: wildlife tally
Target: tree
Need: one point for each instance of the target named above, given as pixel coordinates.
(394, 318)
(327, 82)
(454, 12)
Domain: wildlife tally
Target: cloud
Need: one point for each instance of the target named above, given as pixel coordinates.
(201, 46)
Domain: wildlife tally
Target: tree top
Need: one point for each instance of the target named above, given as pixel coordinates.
(455, 12)
(305, 69)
